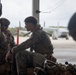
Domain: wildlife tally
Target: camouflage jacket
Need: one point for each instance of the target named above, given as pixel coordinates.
(5, 39)
(10, 39)
(39, 42)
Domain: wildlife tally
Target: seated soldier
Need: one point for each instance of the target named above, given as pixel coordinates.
(6, 39)
(39, 42)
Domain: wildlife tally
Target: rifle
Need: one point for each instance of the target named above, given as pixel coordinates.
(0, 15)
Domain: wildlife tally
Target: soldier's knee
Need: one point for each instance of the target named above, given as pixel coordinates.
(21, 54)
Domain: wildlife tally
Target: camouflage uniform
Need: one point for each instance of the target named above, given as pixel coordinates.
(39, 42)
(10, 40)
(4, 42)
(3, 48)
(5, 39)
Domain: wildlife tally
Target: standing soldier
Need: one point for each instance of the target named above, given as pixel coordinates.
(39, 42)
(6, 40)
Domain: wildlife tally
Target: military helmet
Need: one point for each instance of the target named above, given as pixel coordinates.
(4, 21)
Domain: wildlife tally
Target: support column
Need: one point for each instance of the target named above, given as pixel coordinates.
(35, 9)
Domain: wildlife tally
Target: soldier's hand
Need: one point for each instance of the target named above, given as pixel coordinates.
(7, 56)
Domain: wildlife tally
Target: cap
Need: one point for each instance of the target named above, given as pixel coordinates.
(4, 21)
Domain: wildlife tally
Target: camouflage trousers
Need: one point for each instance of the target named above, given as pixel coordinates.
(2, 56)
(25, 59)
(4, 67)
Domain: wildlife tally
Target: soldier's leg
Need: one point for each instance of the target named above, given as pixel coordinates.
(13, 66)
(21, 59)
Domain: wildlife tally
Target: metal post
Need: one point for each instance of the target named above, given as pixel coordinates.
(17, 36)
(35, 7)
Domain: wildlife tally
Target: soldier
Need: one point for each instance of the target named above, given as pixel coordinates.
(4, 29)
(6, 39)
(39, 42)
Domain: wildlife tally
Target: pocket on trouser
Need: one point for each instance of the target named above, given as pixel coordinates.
(38, 59)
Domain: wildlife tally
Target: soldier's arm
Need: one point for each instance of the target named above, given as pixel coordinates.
(26, 44)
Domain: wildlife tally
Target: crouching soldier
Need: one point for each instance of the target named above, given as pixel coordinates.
(6, 43)
(39, 42)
